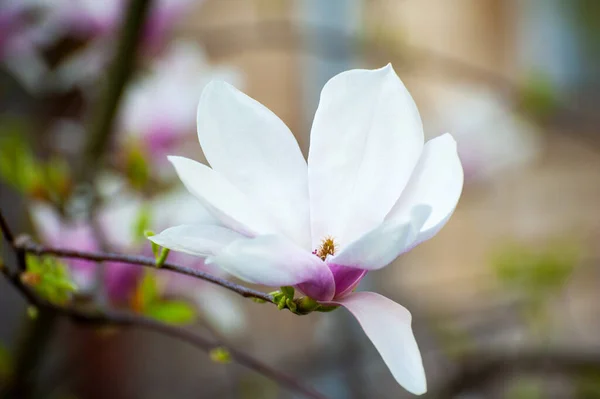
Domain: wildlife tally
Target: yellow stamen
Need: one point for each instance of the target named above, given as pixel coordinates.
(327, 248)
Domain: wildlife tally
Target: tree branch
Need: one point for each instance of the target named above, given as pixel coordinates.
(126, 319)
(478, 368)
(24, 243)
(119, 73)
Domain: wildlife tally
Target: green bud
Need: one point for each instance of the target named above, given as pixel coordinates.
(258, 300)
(288, 291)
(325, 309)
(291, 305)
(305, 305)
(220, 355)
(281, 303)
(32, 312)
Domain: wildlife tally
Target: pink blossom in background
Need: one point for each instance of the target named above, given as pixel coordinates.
(97, 22)
(372, 190)
(492, 138)
(18, 42)
(159, 108)
(120, 279)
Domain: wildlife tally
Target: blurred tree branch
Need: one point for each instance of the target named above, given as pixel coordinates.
(126, 319)
(120, 71)
(482, 365)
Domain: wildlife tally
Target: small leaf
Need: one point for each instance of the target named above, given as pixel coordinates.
(172, 312)
(160, 260)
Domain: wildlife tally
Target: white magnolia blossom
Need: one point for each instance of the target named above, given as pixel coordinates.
(372, 190)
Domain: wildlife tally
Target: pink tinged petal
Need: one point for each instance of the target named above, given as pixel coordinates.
(274, 260)
(437, 181)
(366, 139)
(224, 201)
(380, 246)
(198, 240)
(388, 326)
(255, 151)
(346, 278)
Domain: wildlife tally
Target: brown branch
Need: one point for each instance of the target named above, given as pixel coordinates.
(128, 319)
(25, 244)
(480, 367)
(118, 74)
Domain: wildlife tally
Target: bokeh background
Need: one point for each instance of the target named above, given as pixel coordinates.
(505, 299)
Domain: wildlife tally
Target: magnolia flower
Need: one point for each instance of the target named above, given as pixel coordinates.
(158, 109)
(371, 190)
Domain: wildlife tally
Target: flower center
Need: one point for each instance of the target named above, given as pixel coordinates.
(326, 248)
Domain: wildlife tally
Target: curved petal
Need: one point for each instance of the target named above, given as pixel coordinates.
(366, 139)
(198, 240)
(436, 181)
(388, 326)
(346, 278)
(274, 260)
(234, 209)
(380, 246)
(253, 149)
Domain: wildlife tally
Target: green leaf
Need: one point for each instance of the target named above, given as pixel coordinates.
(55, 283)
(172, 312)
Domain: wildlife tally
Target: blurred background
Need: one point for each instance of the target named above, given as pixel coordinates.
(505, 299)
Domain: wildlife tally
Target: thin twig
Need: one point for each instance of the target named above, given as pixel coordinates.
(36, 249)
(127, 319)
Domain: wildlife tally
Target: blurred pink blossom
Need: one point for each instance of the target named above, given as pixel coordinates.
(159, 109)
(492, 137)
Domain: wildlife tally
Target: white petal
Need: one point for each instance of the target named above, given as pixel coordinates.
(437, 181)
(380, 246)
(198, 240)
(388, 326)
(274, 260)
(365, 141)
(234, 209)
(253, 149)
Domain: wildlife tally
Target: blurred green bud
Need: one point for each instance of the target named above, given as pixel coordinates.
(220, 355)
(32, 312)
(258, 300)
